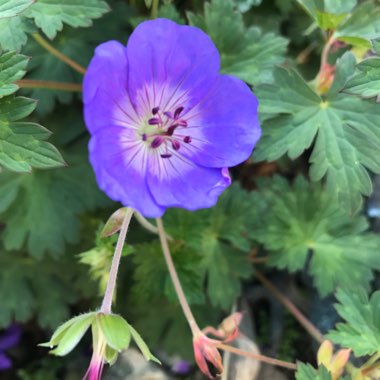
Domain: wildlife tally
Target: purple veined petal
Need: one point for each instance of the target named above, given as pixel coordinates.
(224, 127)
(5, 362)
(178, 182)
(170, 64)
(105, 84)
(120, 164)
(10, 337)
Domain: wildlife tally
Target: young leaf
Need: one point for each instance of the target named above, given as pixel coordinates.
(50, 15)
(344, 129)
(22, 143)
(246, 53)
(301, 224)
(12, 68)
(361, 329)
(13, 32)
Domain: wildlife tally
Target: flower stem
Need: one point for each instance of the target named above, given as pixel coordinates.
(108, 295)
(51, 49)
(49, 85)
(309, 327)
(154, 9)
(174, 276)
(149, 226)
(261, 358)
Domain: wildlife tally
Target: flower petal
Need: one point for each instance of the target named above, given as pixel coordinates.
(10, 337)
(119, 162)
(224, 127)
(105, 89)
(168, 61)
(177, 182)
(5, 362)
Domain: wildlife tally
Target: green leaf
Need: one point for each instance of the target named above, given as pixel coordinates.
(152, 278)
(70, 337)
(366, 81)
(13, 32)
(22, 143)
(12, 68)
(142, 346)
(245, 5)
(50, 15)
(301, 224)
(246, 53)
(307, 372)
(361, 329)
(362, 26)
(343, 130)
(49, 204)
(11, 8)
(116, 331)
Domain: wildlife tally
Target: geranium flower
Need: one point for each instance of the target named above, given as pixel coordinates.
(165, 124)
(8, 339)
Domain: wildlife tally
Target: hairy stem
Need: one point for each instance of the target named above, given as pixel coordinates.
(154, 9)
(309, 327)
(108, 295)
(174, 276)
(51, 49)
(49, 85)
(261, 358)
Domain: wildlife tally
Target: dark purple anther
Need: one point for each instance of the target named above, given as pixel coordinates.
(166, 155)
(178, 112)
(155, 110)
(154, 121)
(175, 144)
(144, 137)
(157, 141)
(171, 129)
(187, 139)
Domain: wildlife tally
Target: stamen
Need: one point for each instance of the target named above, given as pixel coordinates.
(187, 139)
(175, 144)
(169, 114)
(144, 137)
(157, 141)
(154, 121)
(177, 112)
(155, 110)
(166, 155)
(171, 129)
(182, 123)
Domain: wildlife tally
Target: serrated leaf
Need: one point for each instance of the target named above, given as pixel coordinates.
(307, 372)
(22, 143)
(11, 8)
(362, 26)
(361, 329)
(152, 278)
(366, 82)
(301, 223)
(116, 331)
(72, 335)
(142, 346)
(49, 204)
(12, 68)
(245, 5)
(13, 32)
(344, 130)
(246, 53)
(50, 15)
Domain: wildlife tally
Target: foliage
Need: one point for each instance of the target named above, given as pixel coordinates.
(308, 228)
(315, 67)
(361, 330)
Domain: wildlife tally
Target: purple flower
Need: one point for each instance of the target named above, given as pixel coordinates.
(8, 339)
(165, 124)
